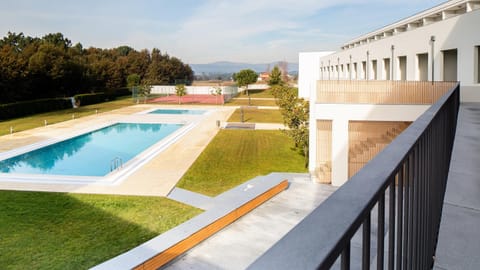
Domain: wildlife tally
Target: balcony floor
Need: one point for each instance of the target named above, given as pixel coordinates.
(459, 239)
(242, 242)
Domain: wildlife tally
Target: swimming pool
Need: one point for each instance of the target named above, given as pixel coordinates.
(95, 153)
(178, 111)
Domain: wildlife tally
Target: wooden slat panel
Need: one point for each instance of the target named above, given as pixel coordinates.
(324, 151)
(368, 138)
(381, 92)
(191, 241)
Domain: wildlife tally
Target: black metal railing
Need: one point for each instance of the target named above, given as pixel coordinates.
(392, 206)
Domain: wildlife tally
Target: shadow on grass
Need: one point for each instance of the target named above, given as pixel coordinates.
(61, 231)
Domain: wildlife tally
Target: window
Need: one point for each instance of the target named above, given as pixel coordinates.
(364, 69)
(374, 69)
(450, 65)
(386, 68)
(402, 68)
(355, 70)
(422, 67)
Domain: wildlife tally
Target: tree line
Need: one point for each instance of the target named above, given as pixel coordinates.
(51, 66)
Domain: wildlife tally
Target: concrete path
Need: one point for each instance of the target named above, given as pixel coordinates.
(459, 238)
(255, 126)
(191, 198)
(239, 244)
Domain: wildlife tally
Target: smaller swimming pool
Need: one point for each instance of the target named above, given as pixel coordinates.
(178, 111)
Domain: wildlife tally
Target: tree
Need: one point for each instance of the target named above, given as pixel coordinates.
(245, 77)
(180, 91)
(133, 80)
(217, 91)
(275, 77)
(144, 90)
(295, 112)
(51, 66)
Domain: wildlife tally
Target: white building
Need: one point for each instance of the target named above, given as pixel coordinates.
(439, 44)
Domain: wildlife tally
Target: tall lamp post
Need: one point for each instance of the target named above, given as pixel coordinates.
(392, 64)
(322, 70)
(350, 68)
(432, 42)
(338, 68)
(367, 66)
(329, 69)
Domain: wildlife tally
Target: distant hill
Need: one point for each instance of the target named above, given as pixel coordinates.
(231, 67)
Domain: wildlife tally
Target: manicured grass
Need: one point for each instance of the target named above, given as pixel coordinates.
(243, 101)
(40, 230)
(259, 94)
(235, 156)
(254, 115)
(38, 120)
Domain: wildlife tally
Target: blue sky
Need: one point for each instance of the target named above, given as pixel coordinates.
(204, 31)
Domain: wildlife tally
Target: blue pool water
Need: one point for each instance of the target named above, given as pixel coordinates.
(178, 111)
(90, 154)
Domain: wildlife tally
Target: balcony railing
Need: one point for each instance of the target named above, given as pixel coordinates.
(393, 205)
(381, 92)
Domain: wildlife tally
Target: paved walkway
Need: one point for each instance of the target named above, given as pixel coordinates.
(459, 237)
(191, 198)
(255, 126)
(239, 244)
(156, 178)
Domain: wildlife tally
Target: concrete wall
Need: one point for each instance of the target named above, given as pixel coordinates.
(309, 72)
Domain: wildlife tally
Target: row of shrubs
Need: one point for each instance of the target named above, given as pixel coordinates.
(25, 108)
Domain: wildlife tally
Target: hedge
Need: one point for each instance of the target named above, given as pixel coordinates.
(94, 98)
(88, 99)
(24, 108)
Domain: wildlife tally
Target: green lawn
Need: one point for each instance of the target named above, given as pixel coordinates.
(38, 120)
(235, 156)
(254, 115)
(240, 101)
(40, 230)
(259, 94)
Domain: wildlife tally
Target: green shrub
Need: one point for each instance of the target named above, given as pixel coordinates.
(24, 108)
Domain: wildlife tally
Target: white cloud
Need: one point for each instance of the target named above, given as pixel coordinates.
(210, 30)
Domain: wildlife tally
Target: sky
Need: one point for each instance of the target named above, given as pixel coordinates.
(206, 31)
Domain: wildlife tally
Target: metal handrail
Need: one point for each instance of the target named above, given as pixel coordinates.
(408, 178)
(116, 163)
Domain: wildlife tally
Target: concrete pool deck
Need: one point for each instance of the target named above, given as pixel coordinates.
(155, 178)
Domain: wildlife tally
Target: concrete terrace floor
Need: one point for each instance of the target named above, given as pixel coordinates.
(459, 238)
(242, 242)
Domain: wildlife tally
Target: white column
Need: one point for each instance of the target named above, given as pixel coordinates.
(339, 151)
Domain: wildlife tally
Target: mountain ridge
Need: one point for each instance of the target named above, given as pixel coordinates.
(222, 67)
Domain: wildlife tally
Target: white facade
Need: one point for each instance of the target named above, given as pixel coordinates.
(403, 51)
(309, 71)
(441, 44)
